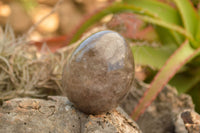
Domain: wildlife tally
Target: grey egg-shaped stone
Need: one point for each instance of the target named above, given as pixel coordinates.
(99, 73)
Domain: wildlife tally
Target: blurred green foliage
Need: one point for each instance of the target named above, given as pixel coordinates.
(178, 58)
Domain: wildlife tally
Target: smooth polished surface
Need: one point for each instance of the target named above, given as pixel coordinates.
(99, 73)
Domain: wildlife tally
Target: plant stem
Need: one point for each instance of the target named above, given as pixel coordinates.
(172, 27)
(180, 57)
(141, 13)
(98, 15)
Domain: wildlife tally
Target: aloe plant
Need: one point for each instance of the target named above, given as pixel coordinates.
(179, 31)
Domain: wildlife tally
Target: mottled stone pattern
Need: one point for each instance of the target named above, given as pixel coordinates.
(161, 115)
(99, 73)
(57, 115)
(191, 120)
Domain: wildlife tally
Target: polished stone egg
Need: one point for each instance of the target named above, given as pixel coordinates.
(99, 73)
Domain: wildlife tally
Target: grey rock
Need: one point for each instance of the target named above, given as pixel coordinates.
(179, 125)
(161, 115)
(57, 115)
(191, 121)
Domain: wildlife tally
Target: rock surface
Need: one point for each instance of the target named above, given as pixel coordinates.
(192, 121)
(57, 115)
(161, 115)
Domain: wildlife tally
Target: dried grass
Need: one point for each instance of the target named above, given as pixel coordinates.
(26, 73)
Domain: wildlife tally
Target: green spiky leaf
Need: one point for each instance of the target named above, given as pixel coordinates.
(180, 57)
(189, 17)
(153, 57)
(167, 37)
(165, 13)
